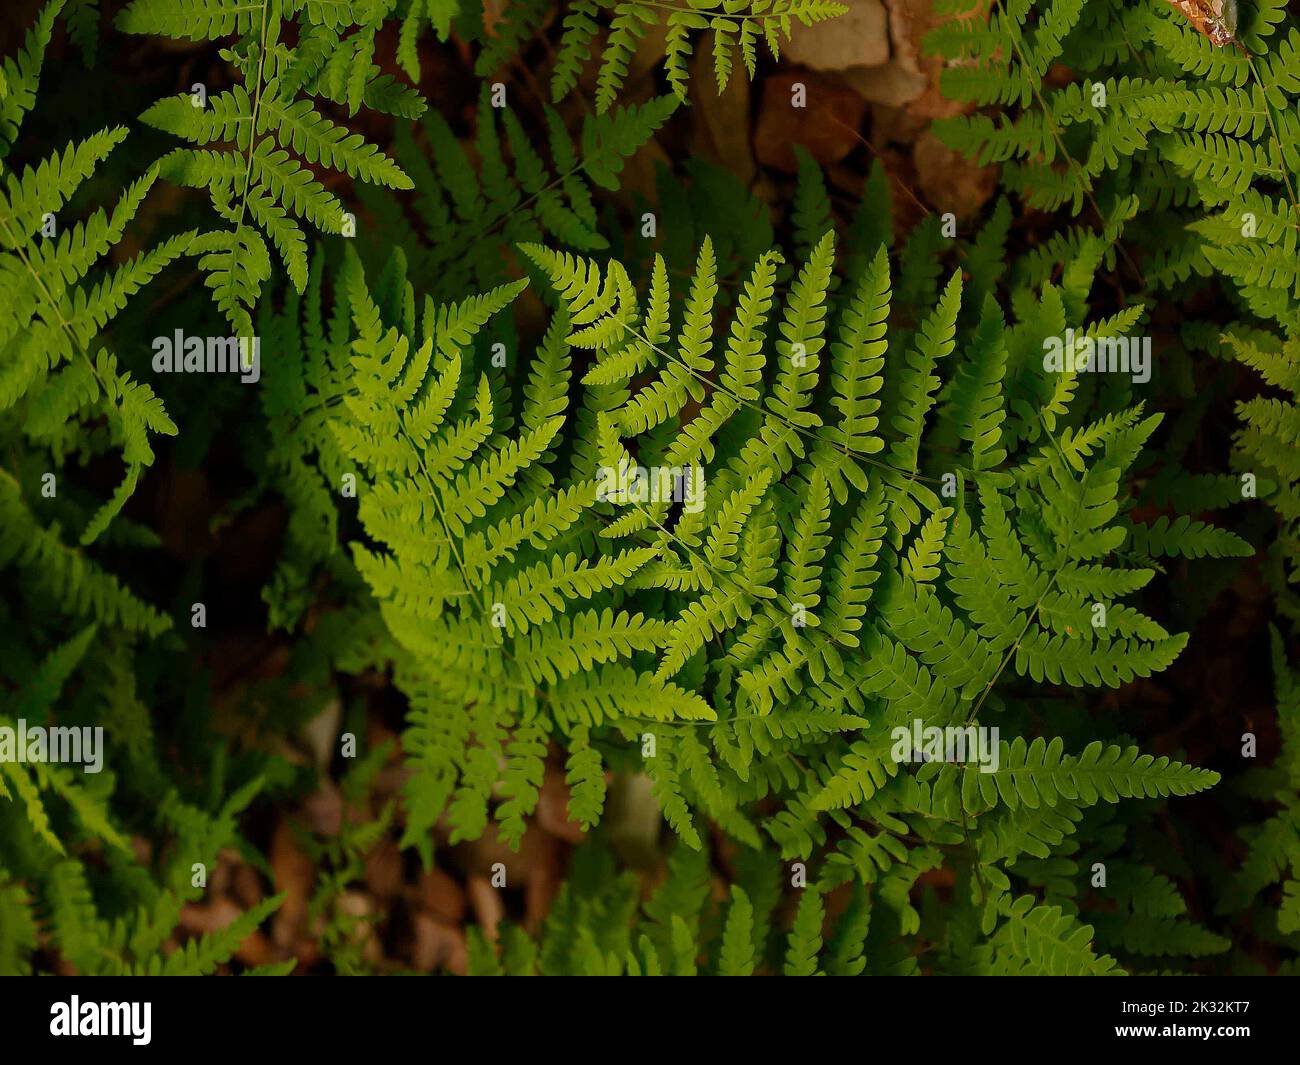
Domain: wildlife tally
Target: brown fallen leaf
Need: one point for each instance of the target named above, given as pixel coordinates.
(205, 918)
(536, 850)
(257, 950)
(384, 869)
(246, 885)
(489, 910)
(218, 882)
(294, 873)
(441, 895)
(437, 946)
(1213, 19)
(322, 810)
(541, 890)
(188, 506)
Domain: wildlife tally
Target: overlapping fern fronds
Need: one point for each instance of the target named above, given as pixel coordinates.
(1188, 151)
(469, 216)
(599, 927)
(1269, 447)
(1201, 140)
(1268, 879)
(71, 885)
(57, 374)
(735, 29)
(728, 520)
(255, 145)
(831, 585)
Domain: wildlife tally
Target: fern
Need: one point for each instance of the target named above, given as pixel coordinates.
(616, 936)
(511, 584)
(1271, 863)
(465, 216)
(770, 541)
(1267, 446)
(59, 375)
(264, 186)
(736, 26)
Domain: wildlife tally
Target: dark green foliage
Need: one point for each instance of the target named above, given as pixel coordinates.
(892, 519)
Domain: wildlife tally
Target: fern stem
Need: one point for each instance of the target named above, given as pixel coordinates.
(1033, 614)
(800, 430)
(252, 131)
(1272, 125)
(719, 11)
(1060, 145)
(21, 252)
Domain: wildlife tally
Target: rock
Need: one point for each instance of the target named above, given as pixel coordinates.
(909, 22)
(553, 808)
(827, 126)
(858, 38)
(722, 134)
(893, 84)
(949, 181)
